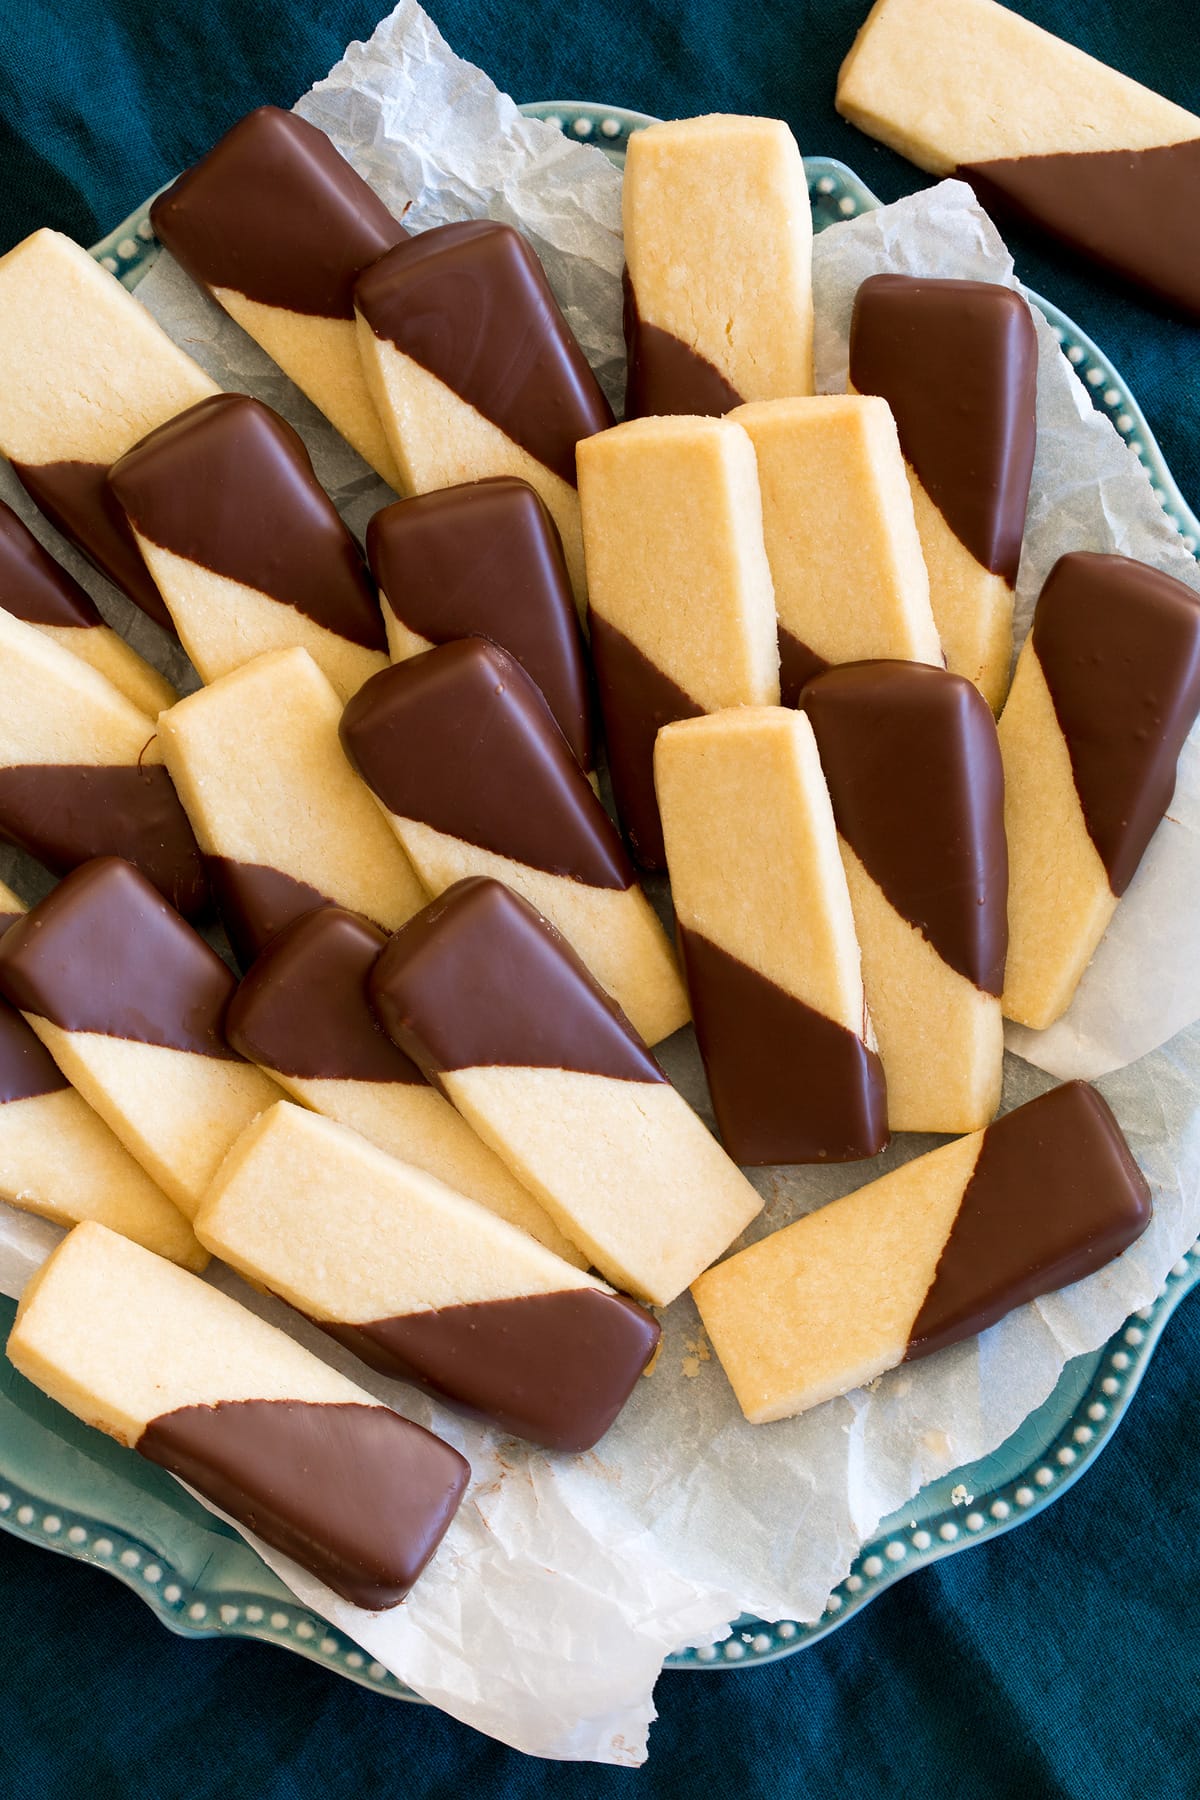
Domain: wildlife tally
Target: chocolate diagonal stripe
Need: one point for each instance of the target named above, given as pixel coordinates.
(33, 586)
(1055, 1193)
(304, 1009)
(480, 979)
(1119, 646)
(355, 1494)
(255, 902)
(228, 485)
(461, 740)
(912, 761)
(1132, 211)
(788, 1084)
(665, 375)
(275, 213)
(637, 699)
(66, 813)
(553, 1368)
(957, 363)
(75, 498)
(104, 953)
(797, 665)
(472, 305)
(27, 1068)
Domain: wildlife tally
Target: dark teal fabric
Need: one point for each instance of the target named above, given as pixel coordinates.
(1061, 1660)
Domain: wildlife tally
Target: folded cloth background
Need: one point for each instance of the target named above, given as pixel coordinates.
(1060, 1660)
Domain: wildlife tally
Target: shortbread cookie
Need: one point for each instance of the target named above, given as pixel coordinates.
(474, 371)
(130, 1001)
(81, 772)
(467, 764)
(957, 363)
(485, 560)
(764, 924)
(284, 823)
(276, 226)
(681, 605)
(422, 1283)
(846, 561)
(309, 1462)
(304, 1016)
(35, 588)
(913, 766)
(927, 1256)
(1106, 691)
(718, 297)
(248, 550)
(496, 1007)
(84, 373)
(1041, 131)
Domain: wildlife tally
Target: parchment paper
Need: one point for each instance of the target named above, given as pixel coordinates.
(564, 1581)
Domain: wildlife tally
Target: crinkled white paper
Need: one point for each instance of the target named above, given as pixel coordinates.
(564, 1582)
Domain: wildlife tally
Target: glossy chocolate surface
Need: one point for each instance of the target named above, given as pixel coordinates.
(665, 375)
(797, 665)
(912, 760)
(75, 498)
(275, 213)
(103, 952)
(355, 1494)
(228, 485)
(255, 902)
(304, 1009)
(957, 363)
(480, 979)
(460, 739)
(485, 560)
(472, 305)
(33, 586)
(553, 1368)
(1054, 1194)
(788, 1084)
(67, 813)
(1119, 646)
(27, 1068)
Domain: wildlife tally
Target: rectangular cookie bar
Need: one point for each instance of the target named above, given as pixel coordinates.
(681, 605)
(130, 1002)
(171, 1368)
(276, 226)
(927, 1256)
(766, 932)
(284, 823)
(248, 550)
(718, 298)
(84, 373)
(1106, 691)
(486, 996)
(506, 798)
(1042, 132)
(422, 1283)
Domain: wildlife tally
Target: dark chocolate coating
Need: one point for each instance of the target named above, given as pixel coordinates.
(637, 699)
(304, 1009)
(797, 665)
(1054, 1194)
(553, 1368)
(255, 902)
(912, 760)
(1119, 646)
(67, 813)
(33, 586)
(485, 560)
(355, 1494)
(275, 213)
(27, 1068)
(957, 363)
(480, 979)
(228, 485)
(103, 952)
(788, 1084)
(1132, 211)
(472, 305)
(460, 739)
(664, 374)
(75, 498)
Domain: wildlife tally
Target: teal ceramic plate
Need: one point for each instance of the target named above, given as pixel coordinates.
(74, 1491)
